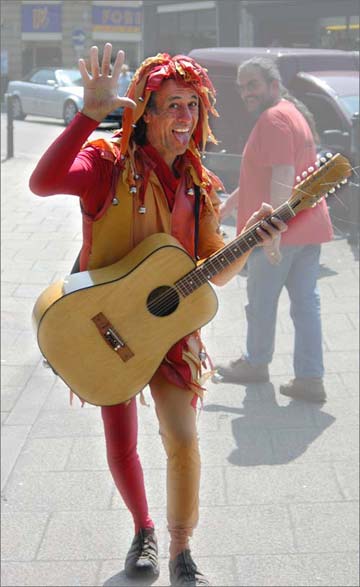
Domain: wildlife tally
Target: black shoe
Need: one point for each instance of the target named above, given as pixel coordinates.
(183, 571)
(142, 558)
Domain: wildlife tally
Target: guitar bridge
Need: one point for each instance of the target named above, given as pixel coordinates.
(112, 337)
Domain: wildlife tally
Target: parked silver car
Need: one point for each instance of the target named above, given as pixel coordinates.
(51, 92)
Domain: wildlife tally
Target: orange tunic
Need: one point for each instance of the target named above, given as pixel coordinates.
(121, 226)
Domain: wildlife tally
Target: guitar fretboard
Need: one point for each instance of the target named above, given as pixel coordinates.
(228, 254)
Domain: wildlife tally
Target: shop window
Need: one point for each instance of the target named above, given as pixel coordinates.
(182, 31)
(340, 33)
(44, 56)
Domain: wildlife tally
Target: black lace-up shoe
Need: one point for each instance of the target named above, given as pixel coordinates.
(142, 558)
(183, 571)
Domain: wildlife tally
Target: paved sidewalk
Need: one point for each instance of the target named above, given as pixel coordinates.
(279, 497)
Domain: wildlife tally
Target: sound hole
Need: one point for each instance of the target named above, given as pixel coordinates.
(163, 301)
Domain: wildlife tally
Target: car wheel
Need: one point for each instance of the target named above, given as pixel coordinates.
(70, 110)
(17, 110)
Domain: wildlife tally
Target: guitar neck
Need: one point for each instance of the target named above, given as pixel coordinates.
(228, 254)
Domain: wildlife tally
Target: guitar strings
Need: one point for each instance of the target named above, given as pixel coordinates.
(162, 302)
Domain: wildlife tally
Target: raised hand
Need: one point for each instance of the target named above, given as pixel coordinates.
(100, 85)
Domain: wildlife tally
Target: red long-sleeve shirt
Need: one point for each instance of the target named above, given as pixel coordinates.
(66, 169)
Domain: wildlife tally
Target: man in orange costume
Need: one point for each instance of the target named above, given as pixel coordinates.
(144, 180)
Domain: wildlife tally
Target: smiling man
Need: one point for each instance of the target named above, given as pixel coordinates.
(145, 180)
(172, 120)
(280, 147)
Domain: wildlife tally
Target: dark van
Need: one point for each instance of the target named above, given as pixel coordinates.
(326, 80)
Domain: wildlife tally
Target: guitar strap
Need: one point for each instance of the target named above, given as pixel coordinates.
(196, 214)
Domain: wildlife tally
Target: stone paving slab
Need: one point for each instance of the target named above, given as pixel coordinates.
(21, 534)
(12, 440)
(76, 574)
(302, 570)
(326, 527)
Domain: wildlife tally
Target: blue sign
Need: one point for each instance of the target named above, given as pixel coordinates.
(121, 19)
(41, 18)
(78, 38)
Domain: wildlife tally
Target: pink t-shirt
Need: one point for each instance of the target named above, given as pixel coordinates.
(281, 136)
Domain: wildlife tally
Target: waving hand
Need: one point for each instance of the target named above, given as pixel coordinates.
(100, 84)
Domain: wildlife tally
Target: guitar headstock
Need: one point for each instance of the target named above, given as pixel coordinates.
(328, 174)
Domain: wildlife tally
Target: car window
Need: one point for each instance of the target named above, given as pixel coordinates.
(41, 76)
(68, 77)
(326, 117)
(350, 103)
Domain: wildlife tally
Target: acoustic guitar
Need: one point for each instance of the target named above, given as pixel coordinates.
(106, 331)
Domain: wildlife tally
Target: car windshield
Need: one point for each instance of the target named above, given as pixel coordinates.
(69, 77)
(350, 103)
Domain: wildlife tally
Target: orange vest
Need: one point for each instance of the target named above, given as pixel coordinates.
(121, 225)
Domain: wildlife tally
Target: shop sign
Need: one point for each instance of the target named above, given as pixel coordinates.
(116, 19)
(41, 18)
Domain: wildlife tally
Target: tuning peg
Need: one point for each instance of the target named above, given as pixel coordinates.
(322, 159)
(304, 174)
(332, 190)
(317, 163)
(298, 179)
(311, 169)
(329, 155)
(344, 181)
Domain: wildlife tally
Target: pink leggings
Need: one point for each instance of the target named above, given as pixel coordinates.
(177, 423)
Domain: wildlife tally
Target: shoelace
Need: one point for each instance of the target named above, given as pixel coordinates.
(147, 546)
(190, 566)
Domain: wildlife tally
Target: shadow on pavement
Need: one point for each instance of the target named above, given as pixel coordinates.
(269, 434)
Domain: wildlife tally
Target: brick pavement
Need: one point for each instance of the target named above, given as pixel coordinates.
(279, 496)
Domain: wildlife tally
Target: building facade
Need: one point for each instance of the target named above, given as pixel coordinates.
(179, 25)
(55, 32)
(59, 32)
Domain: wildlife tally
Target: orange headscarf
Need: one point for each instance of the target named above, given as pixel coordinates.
(148, 78)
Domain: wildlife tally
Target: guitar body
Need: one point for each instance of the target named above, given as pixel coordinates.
(106, 331)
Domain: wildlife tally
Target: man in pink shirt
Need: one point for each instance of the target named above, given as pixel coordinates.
(280, 147)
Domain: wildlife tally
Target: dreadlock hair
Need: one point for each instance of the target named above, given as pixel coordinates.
(270, 72)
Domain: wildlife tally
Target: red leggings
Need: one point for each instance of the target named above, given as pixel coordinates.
(177, 426)
(121, 430)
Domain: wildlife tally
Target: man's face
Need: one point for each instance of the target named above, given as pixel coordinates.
(256, 93)
(173, 120)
